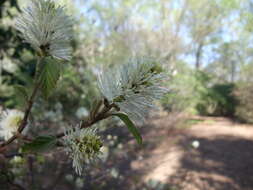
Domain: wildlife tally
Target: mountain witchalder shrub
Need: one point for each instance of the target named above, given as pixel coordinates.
(128, 91)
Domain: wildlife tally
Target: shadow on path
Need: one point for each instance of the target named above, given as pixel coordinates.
(220, 163)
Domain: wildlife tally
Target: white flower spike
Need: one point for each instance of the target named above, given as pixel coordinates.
(82, 145)
(47, 28)
(133, 87)
(9, 123)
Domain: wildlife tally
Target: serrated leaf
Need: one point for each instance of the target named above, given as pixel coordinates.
(40, 144)
(130, 125)
(50, 74)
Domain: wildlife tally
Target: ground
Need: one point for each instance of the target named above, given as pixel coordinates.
(223, 160)
(167, 160)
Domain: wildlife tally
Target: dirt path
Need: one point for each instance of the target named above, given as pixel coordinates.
(223, 160)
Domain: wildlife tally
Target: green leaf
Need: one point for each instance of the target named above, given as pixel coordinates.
(50, 74)
(130, 125)
(40, 144)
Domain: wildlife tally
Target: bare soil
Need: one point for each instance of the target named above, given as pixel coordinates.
(223, 160)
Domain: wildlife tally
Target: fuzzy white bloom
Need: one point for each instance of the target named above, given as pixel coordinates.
(47, 28)
(133, 87)
(9, 123)
(82, 145)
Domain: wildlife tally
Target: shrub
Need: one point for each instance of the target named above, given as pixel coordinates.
(187, 89)
(218, 100)
(244, 110)
(194, 92)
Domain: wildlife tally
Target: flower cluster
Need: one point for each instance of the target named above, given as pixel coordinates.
(83, 146)
(9, 123)
(47, 28)
(133, 87)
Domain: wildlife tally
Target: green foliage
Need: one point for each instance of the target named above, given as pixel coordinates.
(195, 92)
(49, 75)
(218, 100)
(244, 94)
(13, 70)
(186, 88)
(130, 125)
(40, 144)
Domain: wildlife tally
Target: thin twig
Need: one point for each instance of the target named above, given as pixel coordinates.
(100, 116)
(24, 122)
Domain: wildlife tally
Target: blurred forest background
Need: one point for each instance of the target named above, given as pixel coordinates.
(206, 48)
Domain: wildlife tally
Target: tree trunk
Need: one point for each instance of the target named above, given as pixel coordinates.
(198, 56)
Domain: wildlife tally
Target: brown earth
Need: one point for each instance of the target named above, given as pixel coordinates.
(223, 160)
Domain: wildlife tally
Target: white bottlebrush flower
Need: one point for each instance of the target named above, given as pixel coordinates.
(9, 123)
(82, 145)
(47, 28)
(133, 87)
